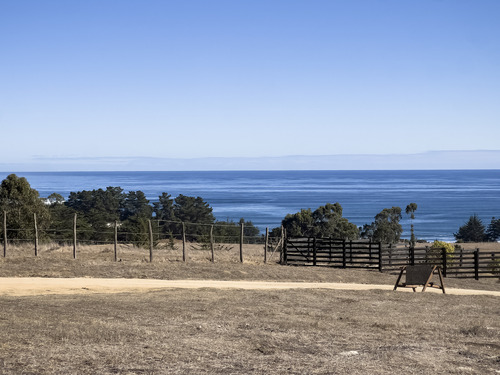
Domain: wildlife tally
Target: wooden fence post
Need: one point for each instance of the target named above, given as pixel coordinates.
(36, 234)
(389, 250)
(116, 241)
(314, 251)
(444, 261)
(241, 241)
(283, 253)
(308, 246)
(4, 234)
(380, 266)
(344, 263)
(266, 245)
(212, 243)
(184, 258)
(412, 254)
(151, 242)
(74, 237)
(330, 260)
(476, 264)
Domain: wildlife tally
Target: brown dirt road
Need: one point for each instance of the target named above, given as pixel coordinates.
(26, 286)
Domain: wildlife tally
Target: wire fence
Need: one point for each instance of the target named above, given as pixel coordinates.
(155, 236)
(237, 241)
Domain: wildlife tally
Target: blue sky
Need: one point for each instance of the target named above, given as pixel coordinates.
(245, 79)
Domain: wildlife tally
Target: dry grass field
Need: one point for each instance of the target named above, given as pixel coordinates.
(212, 331)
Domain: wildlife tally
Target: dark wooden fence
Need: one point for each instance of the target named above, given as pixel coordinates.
(461, 263)
(331, 252)
(365, 254)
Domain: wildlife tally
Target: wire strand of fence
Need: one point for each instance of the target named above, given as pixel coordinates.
(224, 224)
(161, 235)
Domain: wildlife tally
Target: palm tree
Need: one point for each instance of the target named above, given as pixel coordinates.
(410, 210)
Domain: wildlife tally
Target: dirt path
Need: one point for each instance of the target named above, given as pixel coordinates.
(39, 286)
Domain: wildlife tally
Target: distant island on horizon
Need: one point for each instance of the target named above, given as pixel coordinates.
(431, 160)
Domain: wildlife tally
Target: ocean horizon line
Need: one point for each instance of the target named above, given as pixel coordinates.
(258, 170)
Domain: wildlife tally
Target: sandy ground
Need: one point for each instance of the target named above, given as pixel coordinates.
(39, 286)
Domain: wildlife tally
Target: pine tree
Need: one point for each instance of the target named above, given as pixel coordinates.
(493, 231)
(20, 202)
(472, 231)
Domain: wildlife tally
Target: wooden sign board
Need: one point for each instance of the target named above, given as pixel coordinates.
(419, 276)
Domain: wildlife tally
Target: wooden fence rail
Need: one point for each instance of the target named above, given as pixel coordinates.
(310, 251)
(331, 252)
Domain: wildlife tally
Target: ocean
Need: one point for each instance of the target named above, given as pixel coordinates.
(445, 199)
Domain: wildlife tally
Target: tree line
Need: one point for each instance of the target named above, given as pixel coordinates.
(99, 209)
(475, 231)
(327, 221)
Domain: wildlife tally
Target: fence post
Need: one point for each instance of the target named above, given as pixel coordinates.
(74, 237)
(283, 250)
(444, 260)
(412, 254)
(476, 264)
(116, 241)
(151, 243)
(379, 256)
(266, 245)
(330, 260)
(343, 254)
(390, 254)
(350, 252)
(212, 243)
(184, 258)
(36, 234)
(4, 234)
(314, 251)
(242, 227)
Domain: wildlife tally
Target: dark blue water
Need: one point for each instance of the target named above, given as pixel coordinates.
(445, 199)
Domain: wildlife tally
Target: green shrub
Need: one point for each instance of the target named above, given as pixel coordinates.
(434, 253)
